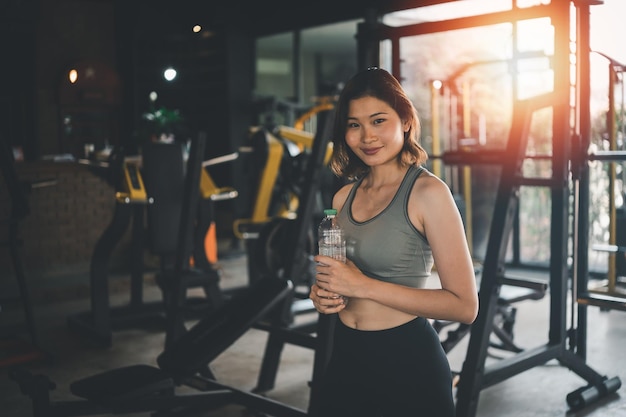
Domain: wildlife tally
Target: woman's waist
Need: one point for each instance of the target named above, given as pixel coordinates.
(369, 315)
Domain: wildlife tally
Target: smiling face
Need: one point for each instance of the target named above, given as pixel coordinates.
(373, 111)
(374, 131)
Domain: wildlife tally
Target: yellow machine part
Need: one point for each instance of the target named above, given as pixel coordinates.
(303, 139)
(266, 186)
(134, 189)
(324, 106)
(209, 190)
(268, 179)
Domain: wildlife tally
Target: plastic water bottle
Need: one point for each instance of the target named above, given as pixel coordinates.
(331, 239)
(332, 242)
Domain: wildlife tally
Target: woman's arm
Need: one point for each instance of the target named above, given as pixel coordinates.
(434, 213)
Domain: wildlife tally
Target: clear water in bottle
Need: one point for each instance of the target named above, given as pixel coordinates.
(331, 239)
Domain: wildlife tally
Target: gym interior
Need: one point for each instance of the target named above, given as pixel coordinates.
(164, 169)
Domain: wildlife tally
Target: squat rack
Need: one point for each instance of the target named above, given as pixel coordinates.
(569, 144)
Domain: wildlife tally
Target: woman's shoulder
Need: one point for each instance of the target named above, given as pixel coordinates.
(430, 198)
(429, 185)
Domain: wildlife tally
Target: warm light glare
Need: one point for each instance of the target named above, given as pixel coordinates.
(196, 28)
(169, 74)
(437, 84)
(73, 76)
(530, 3)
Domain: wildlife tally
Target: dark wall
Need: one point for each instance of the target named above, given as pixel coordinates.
(18, 22)
(43, 39)
(40, 40)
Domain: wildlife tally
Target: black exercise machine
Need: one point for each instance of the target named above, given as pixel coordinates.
(186, 360)
(161, 189)
(475, 374)
(184, 363)
(177, 213)
(267, 303)
(130, 199)
(515, 290)
(288, 245)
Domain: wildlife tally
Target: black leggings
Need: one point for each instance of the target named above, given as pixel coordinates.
(398, 372)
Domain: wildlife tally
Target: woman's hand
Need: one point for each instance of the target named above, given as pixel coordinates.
(324, 300)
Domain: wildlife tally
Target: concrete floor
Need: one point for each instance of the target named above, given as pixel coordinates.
(538, 392)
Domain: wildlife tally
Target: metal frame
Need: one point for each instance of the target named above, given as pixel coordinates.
(475, 375)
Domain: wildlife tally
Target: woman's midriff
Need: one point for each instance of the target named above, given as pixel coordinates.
(369, 315)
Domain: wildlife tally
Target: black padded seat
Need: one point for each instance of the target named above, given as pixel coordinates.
(123, 384)
(188, 355)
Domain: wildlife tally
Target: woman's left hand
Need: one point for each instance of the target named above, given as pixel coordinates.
(330, 292)
(326, 302)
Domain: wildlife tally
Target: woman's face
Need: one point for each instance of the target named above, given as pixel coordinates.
(374, 131)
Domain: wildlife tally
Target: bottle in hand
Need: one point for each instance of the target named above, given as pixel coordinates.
(331, 238)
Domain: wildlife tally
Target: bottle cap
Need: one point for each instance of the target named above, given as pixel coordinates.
(330, 212)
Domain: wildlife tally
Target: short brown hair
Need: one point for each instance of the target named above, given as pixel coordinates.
(380, 84)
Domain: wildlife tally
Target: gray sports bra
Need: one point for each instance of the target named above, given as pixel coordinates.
(388, 247)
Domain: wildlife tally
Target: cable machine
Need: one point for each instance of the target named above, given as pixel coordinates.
(475, 375)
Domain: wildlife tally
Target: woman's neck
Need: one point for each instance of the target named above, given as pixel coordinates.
(384, 175)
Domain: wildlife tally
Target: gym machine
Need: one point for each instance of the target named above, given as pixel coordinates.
(276, 159)
(279, 155)
(457, 110)
(275, 254)
(475, 375)
(185, 362)
(143, 186)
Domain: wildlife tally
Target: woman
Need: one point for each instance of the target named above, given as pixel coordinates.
(399, 218)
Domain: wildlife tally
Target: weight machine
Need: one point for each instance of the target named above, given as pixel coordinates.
(284, 208)
(475, 374)
(455, 116)
(185, 361)
(143, 186)
(277, 158)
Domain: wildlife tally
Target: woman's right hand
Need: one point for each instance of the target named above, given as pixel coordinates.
(326, 302)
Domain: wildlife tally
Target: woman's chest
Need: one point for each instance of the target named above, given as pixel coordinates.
(367, 205)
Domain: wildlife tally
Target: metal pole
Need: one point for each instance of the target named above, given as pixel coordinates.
(467, 170)
(611, 127)
(580, 167)
(434, 116)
